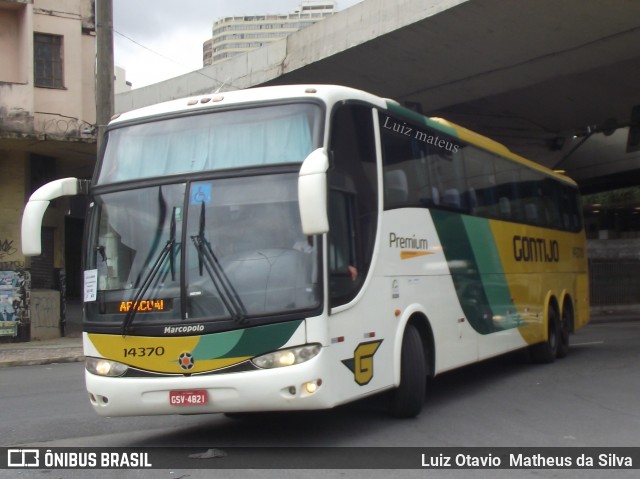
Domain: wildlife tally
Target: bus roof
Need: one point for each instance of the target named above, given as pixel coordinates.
(327, 93)
(330, 94)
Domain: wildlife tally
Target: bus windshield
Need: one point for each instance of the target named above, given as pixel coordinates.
(267, 135)
(235, 251)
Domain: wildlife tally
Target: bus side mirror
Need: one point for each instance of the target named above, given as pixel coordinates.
(312, 193)
(37, 205)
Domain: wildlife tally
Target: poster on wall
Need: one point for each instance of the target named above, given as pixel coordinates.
(14, 305)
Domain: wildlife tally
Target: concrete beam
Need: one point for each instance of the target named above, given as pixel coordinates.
(353, 27)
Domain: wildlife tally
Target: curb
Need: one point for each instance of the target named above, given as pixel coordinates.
(38, 353)
(40, 362)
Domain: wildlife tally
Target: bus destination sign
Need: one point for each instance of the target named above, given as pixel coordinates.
(141, 306)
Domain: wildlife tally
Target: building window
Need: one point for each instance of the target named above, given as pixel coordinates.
(48, 60)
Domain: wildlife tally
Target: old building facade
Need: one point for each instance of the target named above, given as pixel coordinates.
(47, 131)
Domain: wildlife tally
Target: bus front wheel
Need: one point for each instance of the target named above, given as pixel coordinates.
(408, 398)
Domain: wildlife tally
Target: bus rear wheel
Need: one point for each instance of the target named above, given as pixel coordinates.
(565, 331)
(547, 351)
(408, 398)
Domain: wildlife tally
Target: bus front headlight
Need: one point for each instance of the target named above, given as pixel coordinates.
(105, 367)
(287, 357)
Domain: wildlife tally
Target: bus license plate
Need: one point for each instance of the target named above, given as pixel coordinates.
(195, 397)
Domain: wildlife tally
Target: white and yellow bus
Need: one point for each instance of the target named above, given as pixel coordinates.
(301, 247)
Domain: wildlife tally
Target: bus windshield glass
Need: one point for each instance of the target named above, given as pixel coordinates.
(211, 249)
(268, 135)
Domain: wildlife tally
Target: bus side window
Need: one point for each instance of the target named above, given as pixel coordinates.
(396, 188)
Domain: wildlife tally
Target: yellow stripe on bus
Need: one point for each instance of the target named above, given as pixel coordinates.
(413, 254)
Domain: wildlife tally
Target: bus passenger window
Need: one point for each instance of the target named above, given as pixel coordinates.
(396, 188)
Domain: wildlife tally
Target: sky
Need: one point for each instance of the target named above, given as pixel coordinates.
(159, 39)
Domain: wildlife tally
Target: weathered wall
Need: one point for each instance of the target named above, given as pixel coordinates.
(45, 314)
(12, 199)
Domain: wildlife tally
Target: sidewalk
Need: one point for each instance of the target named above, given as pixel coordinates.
(60, 350)
(69, 349)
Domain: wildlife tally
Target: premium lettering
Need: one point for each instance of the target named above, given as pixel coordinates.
(411, 242)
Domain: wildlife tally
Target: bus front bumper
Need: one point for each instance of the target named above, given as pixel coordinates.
(299, 387)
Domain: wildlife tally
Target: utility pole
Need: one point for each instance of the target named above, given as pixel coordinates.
(104, 66)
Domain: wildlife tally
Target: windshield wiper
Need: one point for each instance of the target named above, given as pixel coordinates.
(172, 239)
(220, 280)
(168, 250)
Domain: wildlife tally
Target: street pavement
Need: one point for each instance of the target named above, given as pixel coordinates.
(60, 350)
(69, 348)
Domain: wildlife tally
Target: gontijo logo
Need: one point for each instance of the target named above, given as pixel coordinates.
(409, 246)
(361, 364)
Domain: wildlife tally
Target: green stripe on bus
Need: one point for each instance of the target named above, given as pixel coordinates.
(218, 345)
(263, 339)
(245, 342)
(405, 112)
(488, 261)
(476, 271)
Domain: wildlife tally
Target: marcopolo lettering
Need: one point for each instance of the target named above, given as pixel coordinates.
(194, 328)
(540, 250)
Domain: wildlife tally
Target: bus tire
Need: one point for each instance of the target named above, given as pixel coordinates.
(408, 398)
(546, 352)
(565, 331)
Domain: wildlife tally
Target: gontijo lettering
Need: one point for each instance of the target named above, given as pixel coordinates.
(529, 249)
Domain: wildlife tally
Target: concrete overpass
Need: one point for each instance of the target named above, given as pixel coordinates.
(544, 77)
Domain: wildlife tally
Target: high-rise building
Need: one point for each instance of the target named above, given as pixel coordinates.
(233, 35)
